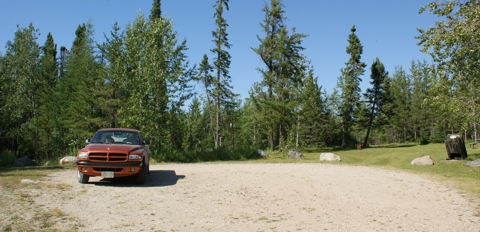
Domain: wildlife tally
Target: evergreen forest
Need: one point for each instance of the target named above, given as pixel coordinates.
(53, 98)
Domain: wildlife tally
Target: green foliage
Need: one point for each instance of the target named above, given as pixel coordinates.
(401, 91)
(140, 78)
(156, 82)
(203, 155)
(313, 117)
(376, 98)
(156, 11)
(453, 44)
(113, 64)
(348, 83)
(7, 158)
(221, 93)
(20, 102)
(277, 95)
(79, 110)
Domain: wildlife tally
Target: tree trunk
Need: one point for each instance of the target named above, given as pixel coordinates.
(298, 128)
(271, 139)
(370, 121)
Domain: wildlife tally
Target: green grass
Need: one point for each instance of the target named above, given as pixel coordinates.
(18, 199)
(11, 177)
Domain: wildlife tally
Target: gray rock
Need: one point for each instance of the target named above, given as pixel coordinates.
(28, 181)
(475, 163)
(262, 153)
(329, 157)
(68, 160)
(425, 160)
(24, 162)
(294, 154)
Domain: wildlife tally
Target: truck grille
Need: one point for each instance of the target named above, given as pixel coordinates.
(107, 157)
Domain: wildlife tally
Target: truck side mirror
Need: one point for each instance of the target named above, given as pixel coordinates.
(87, 141)
(146, 142)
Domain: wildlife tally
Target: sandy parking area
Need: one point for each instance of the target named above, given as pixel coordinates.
(264, 197)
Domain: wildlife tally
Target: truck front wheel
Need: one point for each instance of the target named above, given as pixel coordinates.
(142, 175)
(82, 178)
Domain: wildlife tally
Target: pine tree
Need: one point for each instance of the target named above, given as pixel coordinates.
(401, 92)
(206, 79)
(271, 26)
(80, 114)
(113, 52)
(222, 92)
(156, 11)
(349, 83)
(375, 95)
(284, 71)
(194, 126)
(313, 115)
(47, 107)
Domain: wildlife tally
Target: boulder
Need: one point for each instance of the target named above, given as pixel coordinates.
(329, 157)
(425, 160)
(261, 153)
(28, 181)
(24, 162)
(294, 154)
(68, 160)
(475, 163)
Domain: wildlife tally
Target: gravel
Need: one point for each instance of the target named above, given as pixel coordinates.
(262, 197)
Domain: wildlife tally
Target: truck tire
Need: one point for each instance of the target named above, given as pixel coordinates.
(82, 178)
(142, 175)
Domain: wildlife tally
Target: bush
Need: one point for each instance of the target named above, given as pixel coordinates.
(202, 155)
(7, 158)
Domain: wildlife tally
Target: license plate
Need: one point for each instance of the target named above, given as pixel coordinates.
(107, 174)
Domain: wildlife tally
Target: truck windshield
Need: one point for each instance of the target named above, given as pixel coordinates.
(116, 137)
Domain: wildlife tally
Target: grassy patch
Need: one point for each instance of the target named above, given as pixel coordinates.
(11, 178)
(18, 200)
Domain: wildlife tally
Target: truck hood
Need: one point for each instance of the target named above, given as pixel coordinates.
(111, 148)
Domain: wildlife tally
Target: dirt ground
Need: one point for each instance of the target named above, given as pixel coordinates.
(258, 197)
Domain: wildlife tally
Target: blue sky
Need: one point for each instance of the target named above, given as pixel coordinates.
(386, 29)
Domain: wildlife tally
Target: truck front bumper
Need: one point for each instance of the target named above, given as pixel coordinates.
(118, 169)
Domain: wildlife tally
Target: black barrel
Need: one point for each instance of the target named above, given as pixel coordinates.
(455, 147)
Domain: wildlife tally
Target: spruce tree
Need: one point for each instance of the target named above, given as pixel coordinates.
(285, 68)
(313, 115)
(205, 77)
(113, 52)
(156, 11)
(271, 26)
(222, 92)
(401, 92)
(348, 83)
(375, 95)
(47, 108)
(80, 113)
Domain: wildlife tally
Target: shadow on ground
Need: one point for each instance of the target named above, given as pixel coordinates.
(156, 178)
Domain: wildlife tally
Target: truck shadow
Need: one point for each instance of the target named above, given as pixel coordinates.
(156, 178)
(162, 178)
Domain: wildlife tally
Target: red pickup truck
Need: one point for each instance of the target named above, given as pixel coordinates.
(114, 152)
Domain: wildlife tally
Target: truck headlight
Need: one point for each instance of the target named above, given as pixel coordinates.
(82, 156)
(135, 157)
